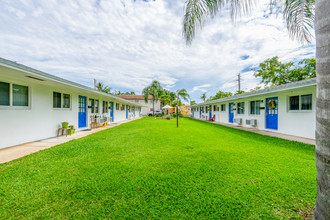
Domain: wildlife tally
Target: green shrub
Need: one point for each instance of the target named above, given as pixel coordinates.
(174, 115)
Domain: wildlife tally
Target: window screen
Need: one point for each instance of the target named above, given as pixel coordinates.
(20, 95)
(4, 93)
(306, 102)
(294, 103)
(66, 101)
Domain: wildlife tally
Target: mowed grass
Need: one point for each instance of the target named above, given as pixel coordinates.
(149, 169)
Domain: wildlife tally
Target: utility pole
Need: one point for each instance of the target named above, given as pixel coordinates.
(239, 81)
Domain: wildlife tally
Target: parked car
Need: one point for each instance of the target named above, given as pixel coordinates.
(157, 112)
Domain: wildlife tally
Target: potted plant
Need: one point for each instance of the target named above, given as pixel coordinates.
(71, 130)
(65, 124)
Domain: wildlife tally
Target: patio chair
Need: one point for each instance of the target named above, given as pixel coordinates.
(212, 119)
(93, 122)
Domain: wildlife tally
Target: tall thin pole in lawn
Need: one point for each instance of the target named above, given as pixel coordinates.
(177, 115)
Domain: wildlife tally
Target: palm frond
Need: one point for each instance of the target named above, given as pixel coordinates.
(197, 12)
(299, 17)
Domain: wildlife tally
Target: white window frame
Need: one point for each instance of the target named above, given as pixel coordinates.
(224, 107)
(62, 101)
(255, 107)
(11, 106)
(300, 104)
(238, 107)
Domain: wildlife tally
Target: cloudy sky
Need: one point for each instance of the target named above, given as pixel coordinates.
(128, 43)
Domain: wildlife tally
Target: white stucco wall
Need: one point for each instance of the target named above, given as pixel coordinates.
(146, 107)
(298, 123)
(40, 120)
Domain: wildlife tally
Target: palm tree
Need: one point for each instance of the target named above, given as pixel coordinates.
(299, 17)
(203, 97)
(182, 94)
(155, 90)
(103, 88)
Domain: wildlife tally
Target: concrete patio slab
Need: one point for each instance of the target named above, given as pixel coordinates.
(266, 132)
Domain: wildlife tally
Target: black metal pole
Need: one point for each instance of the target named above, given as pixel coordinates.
(177, 116)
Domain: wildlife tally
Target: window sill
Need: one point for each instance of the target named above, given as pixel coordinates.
(15, 107)
(62, 109)
(300, 111)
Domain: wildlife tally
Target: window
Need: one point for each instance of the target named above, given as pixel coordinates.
(92, 105)
(105, 107)
(4, 93)
(255, 107)
(122, 107)
(240, 108)
(223, 107)
(129, 108)
(66, 101)
(117, 106)
(306, 102)
(214, 108)
(202, 109)
(56, 100)
(14, 95)
(20, 95)
(96, 106)
(294, 103)
(206, 109)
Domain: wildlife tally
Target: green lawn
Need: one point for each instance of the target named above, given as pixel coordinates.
(150, 169)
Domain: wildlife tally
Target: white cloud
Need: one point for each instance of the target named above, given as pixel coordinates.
(127, 43)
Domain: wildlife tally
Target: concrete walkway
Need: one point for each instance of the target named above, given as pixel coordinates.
(12, 153)
(268, 133)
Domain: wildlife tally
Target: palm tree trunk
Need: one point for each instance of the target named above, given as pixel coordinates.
(322, 150)
(153, 105)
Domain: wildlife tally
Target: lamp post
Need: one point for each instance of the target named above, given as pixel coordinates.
(177, 115)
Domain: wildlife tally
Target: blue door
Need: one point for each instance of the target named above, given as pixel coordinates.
(126, 111)
(82, 112)
(111, 111)
(192, 111)
(231, 112)
(210, 112)
(272, 113)
(200, 112)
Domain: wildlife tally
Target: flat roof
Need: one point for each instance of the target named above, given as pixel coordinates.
(53, 78)
(284, 87)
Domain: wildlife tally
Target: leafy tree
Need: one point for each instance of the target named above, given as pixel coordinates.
(173, 103)
(192, 102)
(255, 89)
(167, 97)
(299, 17)
(203, 97)
(219, 95)
(103, 88)
(239, 92)
(155, 90)
(276, 73)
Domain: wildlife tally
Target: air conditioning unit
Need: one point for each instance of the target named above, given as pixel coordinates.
(238, 121)
(252, 122)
